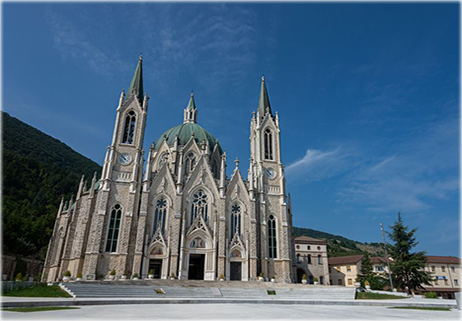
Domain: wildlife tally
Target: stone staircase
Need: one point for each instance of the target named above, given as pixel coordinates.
(231, 290)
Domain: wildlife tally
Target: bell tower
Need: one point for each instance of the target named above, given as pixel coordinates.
(269, 181)
(118, 198)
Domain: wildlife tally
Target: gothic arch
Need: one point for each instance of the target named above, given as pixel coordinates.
(130, 120)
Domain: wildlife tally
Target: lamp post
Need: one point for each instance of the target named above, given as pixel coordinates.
(386, 255)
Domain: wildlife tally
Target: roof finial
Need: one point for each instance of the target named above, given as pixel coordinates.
(263, 78)
(141, 57)
(236, 161)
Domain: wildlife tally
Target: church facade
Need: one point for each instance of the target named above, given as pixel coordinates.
(177, 214)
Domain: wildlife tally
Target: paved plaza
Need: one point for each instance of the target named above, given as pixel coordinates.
(233, 312)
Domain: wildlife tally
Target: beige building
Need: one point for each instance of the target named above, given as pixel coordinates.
(173, 210)
(311, 259)
(446, 271)
(344, 270)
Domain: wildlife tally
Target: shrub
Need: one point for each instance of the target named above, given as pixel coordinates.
(79, 275)
(151, 271)
(431, 295)
(222, 276)
(261, 275)
(135, 275)
(113, 272)
(19, 276)
(316, 280)
(304, 277)
(172, 275)
(67, 273)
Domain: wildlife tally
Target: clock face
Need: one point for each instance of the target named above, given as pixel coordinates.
(270, 173)
(125, 159)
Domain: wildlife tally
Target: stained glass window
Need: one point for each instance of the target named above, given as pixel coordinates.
(199, 206)
(160, 214)
(272, 246)
(235, 220)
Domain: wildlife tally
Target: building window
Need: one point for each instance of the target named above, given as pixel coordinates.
(129, 129)
(199, 206)
(235, 220)
(309, 258)
(348, 268)
(298, 258)
(319, 259)
(350, 282)
(321, 279)
(319, 248)
(339, 282)
(114, 225)
(311, 279)
(268, 144)
(298, 247)
(190, 163)
(308, 247)
(456, 282)
(160, 214)
(272, 246)
(443, 268)
(433, 268)
(453, 269)
(379, 268)
(338, 268)
(446, 282)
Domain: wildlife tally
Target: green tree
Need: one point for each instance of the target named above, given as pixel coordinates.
(407, 268)
(367, 273)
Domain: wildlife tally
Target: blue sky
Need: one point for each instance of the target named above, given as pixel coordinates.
(367, 93)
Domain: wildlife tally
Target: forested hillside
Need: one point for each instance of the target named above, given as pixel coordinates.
(340, 246)
(37, 171)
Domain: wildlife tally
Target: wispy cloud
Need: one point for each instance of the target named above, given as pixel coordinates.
(420, 171)
(75, 44)
(317, 165)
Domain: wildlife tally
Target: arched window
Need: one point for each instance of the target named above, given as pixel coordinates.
(309, 258)
(298, 258)
(162, 160)
(114, 225)
(190, 163)
(272, 246)
(160, 214)
(235, 220)
(319, 259)
(129, 129)
(268, 144)
(199, 206)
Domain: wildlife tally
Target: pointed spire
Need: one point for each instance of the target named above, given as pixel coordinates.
(190, 112)
(191, 103)
(264, 103)
(136, 86)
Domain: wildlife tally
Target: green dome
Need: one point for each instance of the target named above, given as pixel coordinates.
(184, 132)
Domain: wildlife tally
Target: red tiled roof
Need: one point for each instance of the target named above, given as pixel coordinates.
(378, 260)
(353, 259)
(306, 239)
(443, 259)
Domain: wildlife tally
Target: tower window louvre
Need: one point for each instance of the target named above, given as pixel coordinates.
(272, 245)
(114, 226)
(129, 129)
(268, 144)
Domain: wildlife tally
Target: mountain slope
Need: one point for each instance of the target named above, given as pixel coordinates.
(37, 171)
(340, 246)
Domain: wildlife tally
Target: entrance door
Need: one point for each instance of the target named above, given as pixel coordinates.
(156, 266)
(196, 266)
(236, 271)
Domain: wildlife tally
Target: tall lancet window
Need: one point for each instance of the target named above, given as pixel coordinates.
(190, 163)
(272, 246)
(114, 226)
(268, 144)
(160, 215)
(199, 206)
(235, 219)
(215, 168)
(129, 130)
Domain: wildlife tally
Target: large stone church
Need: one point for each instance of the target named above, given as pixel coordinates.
(177, 214)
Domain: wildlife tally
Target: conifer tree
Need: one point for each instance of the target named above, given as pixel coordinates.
(407, 268)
